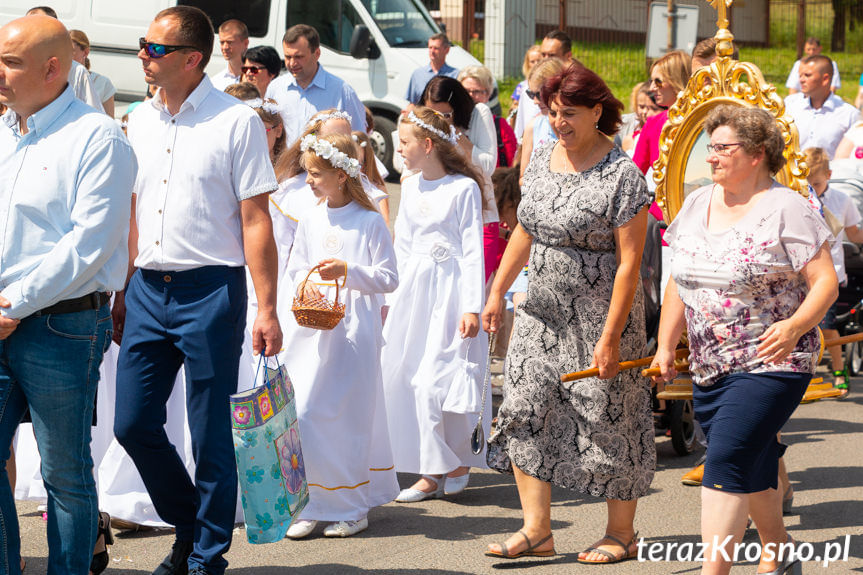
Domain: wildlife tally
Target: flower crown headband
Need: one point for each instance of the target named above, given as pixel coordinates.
(337, 115)
(268, 107)
(326, 150)
(452, 137)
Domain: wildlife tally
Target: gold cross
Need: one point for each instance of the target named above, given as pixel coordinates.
(720, 6)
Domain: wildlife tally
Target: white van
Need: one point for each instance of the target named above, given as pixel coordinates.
(390, 40)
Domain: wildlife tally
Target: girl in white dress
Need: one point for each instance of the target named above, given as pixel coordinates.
(336, 374)
(432, 360)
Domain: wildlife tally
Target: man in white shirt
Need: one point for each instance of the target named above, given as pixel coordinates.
(79, 77)
(233, 41)
(200, 214)
(66, 177)
(556, 44)
(822, 118)
(812, 47)
(308, 88)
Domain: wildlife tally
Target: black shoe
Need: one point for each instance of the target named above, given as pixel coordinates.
(177, 563)
(199, 570)
(104, 538)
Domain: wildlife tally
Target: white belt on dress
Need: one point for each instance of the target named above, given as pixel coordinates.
(438, 251)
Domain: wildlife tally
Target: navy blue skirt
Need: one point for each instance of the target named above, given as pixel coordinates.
(741, 414)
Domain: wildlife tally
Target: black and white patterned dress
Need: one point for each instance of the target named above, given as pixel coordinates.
(592, 435)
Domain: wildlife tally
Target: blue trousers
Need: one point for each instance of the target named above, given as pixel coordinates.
(194, 318)
(51, 364)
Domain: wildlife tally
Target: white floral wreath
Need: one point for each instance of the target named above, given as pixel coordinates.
(266, 106)
(338, 159)
(337, 115)
(452, 137)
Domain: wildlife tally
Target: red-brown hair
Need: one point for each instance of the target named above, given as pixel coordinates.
(581, 86)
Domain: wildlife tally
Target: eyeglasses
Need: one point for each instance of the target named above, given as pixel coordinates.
(251, 69)
(723, 149)
(480, 92)
(531, 94)
(657, 82)
(157, 51)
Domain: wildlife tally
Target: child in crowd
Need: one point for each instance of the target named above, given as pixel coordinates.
(433, 360)
(336, 374)
(243, 91)
(643, 107)
(374, 184)
(844, 220)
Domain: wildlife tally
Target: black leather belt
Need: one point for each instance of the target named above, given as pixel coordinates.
(93, 300)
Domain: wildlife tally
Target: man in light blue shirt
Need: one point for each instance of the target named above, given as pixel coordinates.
(66, 177)
(308, 88)
(438, 50)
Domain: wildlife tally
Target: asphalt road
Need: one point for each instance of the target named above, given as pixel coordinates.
(448, 536)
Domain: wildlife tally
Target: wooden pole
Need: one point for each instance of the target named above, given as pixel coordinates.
(561, 15)
(801, 27)
(671, 25)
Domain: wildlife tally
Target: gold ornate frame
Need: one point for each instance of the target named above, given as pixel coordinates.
(725, 81)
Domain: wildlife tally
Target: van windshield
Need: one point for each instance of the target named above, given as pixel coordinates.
(404, 23)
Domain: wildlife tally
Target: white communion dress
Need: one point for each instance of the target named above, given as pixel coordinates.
(336, 374)
(433, 377)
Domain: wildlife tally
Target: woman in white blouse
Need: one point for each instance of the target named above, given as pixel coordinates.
(103, 86)
(474, 125)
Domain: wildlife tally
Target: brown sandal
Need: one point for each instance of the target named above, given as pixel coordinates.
(529, 552)
(612, 558)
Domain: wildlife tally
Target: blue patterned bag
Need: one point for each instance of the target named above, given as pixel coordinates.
(269, 458)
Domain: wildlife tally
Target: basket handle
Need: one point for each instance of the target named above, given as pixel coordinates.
(336, 283)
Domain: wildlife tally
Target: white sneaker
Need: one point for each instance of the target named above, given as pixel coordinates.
(346, 528)
(301, 528)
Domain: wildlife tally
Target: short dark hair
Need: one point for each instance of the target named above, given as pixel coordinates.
(578, 85)
(196, 30)
(812, 41)
(449, 90)
(46, 10)
(442, 37)
(756, 130)
(236, 25)
(706, 50)
(266, 56)
(294, 33)
(561, 37)
(824, 63)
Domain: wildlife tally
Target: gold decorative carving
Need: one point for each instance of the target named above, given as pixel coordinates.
(724, 81)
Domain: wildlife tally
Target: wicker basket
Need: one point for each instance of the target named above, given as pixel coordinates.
(318, 313)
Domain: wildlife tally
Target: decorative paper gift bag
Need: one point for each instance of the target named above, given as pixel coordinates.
(269, 458)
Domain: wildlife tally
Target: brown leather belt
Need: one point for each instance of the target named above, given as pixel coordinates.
(93, 300)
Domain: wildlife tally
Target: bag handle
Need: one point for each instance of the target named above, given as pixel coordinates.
(336, 283)
(477, 437)
(263, 359)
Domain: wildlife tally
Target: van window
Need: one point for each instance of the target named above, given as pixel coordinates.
(254, 13)
(404, 23)
(333, 19)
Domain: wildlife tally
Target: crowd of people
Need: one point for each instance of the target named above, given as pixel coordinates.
(186, 234)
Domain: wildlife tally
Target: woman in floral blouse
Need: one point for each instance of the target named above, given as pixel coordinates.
(751, 278)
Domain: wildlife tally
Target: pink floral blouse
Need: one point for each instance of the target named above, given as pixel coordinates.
(738, 282)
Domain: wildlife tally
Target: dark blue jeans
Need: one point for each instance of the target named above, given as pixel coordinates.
(194, 318)
(51, 363)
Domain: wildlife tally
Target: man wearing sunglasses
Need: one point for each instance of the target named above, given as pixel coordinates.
(200, 214)
(233, 41)
(66, 178)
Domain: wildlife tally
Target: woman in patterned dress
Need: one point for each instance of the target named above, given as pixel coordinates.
(582, 224)
(751, 277)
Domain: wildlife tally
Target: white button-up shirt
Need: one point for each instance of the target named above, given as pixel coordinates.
(196, 168)
(224, 79)
(326, 91)
(65, 197)
(822, 127)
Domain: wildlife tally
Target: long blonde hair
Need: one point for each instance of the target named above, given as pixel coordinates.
(288, 162)
(370, 166)
(452, 159)
(353, 187)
